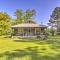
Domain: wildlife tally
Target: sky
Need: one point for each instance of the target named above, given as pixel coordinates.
(43, 8)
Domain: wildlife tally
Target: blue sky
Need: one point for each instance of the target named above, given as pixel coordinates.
(43, 8)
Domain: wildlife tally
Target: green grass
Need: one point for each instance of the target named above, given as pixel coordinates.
(30, 49)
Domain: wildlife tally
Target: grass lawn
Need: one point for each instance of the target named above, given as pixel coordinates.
(30, 49)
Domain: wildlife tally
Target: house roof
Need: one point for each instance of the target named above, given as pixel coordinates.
(28, 25)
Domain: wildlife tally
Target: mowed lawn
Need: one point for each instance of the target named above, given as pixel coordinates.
(29, 48)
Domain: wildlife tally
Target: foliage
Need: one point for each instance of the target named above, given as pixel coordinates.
(23, 16)
(19, 14)
(30, 13)
(56, 13)
(13, 21)
(55, 18)
(52, 32)
(4, 23)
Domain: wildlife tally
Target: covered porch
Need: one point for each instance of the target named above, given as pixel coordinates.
(27, 31)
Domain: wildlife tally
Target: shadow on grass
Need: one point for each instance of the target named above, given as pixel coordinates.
(50, 41)
(28, 40)
(32, 52)
(39, 41)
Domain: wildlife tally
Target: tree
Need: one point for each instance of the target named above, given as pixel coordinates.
(56, 13)
(19, 16)
(23, 16)
(13, 21)
(55, 18)
(30, 14)
(4, 23)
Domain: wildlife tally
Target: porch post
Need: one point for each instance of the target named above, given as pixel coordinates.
(35, 31)
(23, 31)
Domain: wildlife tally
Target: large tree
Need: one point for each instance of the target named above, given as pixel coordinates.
(56, 13)
(30, 14)
(19, 16)
(22, 16)
(4, 23)
(55, 18)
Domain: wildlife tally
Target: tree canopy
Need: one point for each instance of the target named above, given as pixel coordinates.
(4, 23)
(56, 13)
(55, 18)
(22, 16)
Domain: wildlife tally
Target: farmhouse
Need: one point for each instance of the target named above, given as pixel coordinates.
(28, 29)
